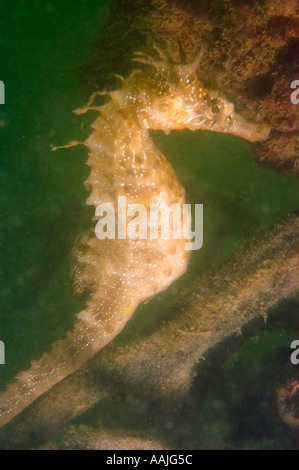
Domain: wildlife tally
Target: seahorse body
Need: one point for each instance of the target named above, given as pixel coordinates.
(124, 161)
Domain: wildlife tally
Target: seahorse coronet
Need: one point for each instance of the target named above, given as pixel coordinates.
(124, 161)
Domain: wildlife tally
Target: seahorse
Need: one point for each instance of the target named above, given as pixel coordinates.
(120, 274)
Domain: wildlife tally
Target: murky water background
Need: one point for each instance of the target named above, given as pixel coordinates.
(42, 45)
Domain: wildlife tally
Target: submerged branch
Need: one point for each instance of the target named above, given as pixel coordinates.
(162, 365)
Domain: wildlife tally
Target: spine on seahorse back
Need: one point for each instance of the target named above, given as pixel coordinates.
(124, 161)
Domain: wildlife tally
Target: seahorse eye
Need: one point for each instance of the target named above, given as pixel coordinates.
(214, 105)
(215, 109)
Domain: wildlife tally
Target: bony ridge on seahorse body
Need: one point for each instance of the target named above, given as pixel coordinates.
(124, 161)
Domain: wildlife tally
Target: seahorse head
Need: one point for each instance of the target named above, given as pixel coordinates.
(176, 98)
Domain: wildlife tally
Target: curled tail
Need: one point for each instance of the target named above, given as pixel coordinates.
(88, 336)
(119, 279)
(66, 356)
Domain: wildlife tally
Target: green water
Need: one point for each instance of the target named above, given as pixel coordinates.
(42, 45)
